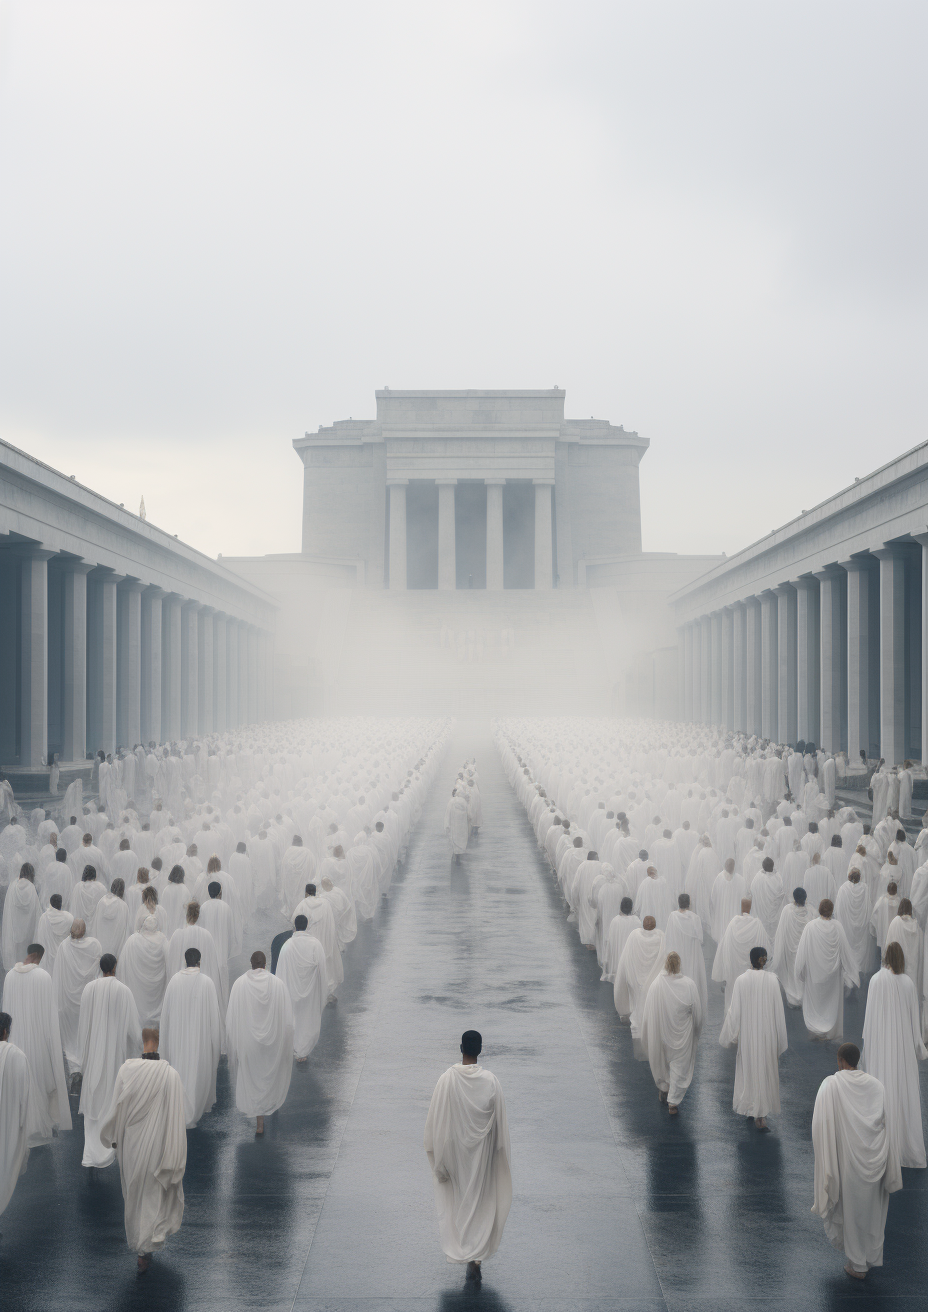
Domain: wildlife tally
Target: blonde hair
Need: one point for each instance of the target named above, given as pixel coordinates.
(672, 964)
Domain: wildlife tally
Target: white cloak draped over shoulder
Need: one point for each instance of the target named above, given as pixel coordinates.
(259, 1036)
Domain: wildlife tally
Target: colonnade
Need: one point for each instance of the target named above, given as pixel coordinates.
(838, 657)
(447, 566)
(102, 659)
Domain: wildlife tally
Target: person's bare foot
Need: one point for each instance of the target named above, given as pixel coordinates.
(301, 1061)
(857, 1275)
(761, 1123)
(259, 1129)
(473, 1271)
(673, 1111)
(143, 1263)
(662, 1095)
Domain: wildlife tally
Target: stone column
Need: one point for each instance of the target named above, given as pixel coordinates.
(705, 669)
(171, 668)
(252, 674)
(688, 672)
(727, 670)
(754, 664)
(33, 708)
(205, 669)
(494, 533)
(233, 719)
(397, 533)
(858, 655)
(769, 681)
(830, 659)
(243, 672)
(740, 667)
(544, 578)
(220, 686)
(715, 666)
(190, 670)
(697, 671)
(922, 540)
(262, 676)
(271, 707)
(786, 664)
(103, 649)
(74, 735)
(892, 654)
(808, 663)
(447, 568)
(129, 664)
(150, 723)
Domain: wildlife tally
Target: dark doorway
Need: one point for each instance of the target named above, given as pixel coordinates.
(519, 535)
(422, 535)
(470, 534)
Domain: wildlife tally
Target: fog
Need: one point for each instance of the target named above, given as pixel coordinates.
(224, 225)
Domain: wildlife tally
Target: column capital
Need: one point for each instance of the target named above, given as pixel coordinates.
(397, 482)
(110, 576)
(783, 589)
(543, 482)
(207, 611)
(27, 552)
(805, 583)
(890, 551)
(446, 482)
(192, 605)
(495, 482)
(130, 584)
(857, 564)
(75, 565)
(920, 538)
(154, 592)
(827, 574)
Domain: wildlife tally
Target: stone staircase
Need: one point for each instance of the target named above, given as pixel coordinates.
(470, 654)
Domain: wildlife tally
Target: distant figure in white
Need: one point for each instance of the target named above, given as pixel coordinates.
(467, 1142)
(856, 1162)
(670, 1029)
(457, 824)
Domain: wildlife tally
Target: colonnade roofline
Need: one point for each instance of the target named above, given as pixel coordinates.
(42, 508)
(885, 509)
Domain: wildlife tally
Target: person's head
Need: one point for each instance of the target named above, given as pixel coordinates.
(241, 848)
(672, 964)
(652, 872)
(297, 841)
(300, 922)
(34, 954)
(825, 908)
(87, 839)
(192, 957)
(78, 930)
(27, 872)
(213, 865)
(192, 849)
(853, 876)
(894, 958)
(683, 901)
(150, 895)
(258, 961)
(157, 863)
(310, 890)
(124, 845)
(55, 901)
(118, 887)
(193, 912)
(767, 865)
(730, 865)
(107, 964)
(6, 1024)
(471, 1045)
(749, 823)
(892, 888)
(813, 826)
(891, 859)
(900, 835)
(836, 840)
(745, 906)
(214, 888)
(625, 906)
(177, 875)
(905, 907)
(61, 855)
(150, 1037)
(89, 874)
(848, 1057)
(649, 923)
(758, 958)
(860, 850)
(643, 854)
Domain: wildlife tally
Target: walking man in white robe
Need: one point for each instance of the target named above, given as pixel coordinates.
(109, 1034)
(77, 963)
(457, 825)
(467, 1144)
(683, 935)
(639, 966)
(191, 1035)
(756, 1023)
(824, 965)
(29, 997)
(670, 1029)
(733, 956)
(793, 919)
(145, 1124)
(19, 1113)
(892, 1049)
(301, 967)
(259, 1036)
(856, 1165)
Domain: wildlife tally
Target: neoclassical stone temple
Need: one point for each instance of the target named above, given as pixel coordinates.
(818, 631)
(113, 632)
(480, 489)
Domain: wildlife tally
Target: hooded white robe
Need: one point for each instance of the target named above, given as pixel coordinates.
(684, 936)
(77, 963)
(142, 965)
(29, 997)
(608, 898)
(639, 965)
(259, 1035)
(109, 1033)
(586, 905)
(824, 964)
(297, 869)
(21, 913)
(670, 1027)
(756, 1022)
(346, 922)
(733, 956)
(321, 924)
(302, 968)
(891, 1050)
(467, 1143)
(905, 931)
(614, 944)
(363, 884)
(146, 1123)
(110, 924)
(654, 899)
(195, 936)
(793, 920)
(852, 911)
(191, 1038)
(767, 899)
(856, 1166)
(728, 891)
(20, 1118)
(52, 930)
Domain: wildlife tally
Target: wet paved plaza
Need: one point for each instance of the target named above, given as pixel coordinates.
(615, 1206)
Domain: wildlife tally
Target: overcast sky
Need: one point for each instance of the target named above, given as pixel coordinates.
(222, 225)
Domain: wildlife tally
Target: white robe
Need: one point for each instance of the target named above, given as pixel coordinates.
(467, 1143)
(856, 1166)
(146, 1123)
(302, 968)
(191, 1038)
(852, 911)
(767, 899)
(52, 930)
(363, 884)
(824, 964)
(654, 899)
(195, 936)
(21, 912)
(905, 931)
(614, 943)
(110, 1032)
(733, 956)
(143, 966)
(110, 924)
(756, 1022)
(18, 1118)
(259, 1035)
(77, 963)
(725, 903)
(297, 869)
(892, 1048)
(684, 936)
(639, 965)
(29, 997)
(793, 920)
(321, 918)
(671, 1023)
(346, 922)
(457, 825)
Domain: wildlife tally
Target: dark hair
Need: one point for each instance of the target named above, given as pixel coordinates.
(6, 1022)
(471, 1043)
(192, 956)
(756, 954)
(626, 905)
(118, 887)
(310, 890)
(214, 888)
(177, 875)
(107, 963)
(89, 874)
(826, 907)
(683, 901)
(34, 948)
(27, 872)
(767, 865)
(800, 895)
(850, 1053)
(61, 854)
(55, 901)
(300, 922)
